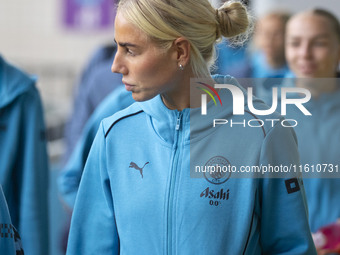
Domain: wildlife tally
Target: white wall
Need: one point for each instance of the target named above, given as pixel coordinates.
(33, 37)
(263, 6)
(32, 31)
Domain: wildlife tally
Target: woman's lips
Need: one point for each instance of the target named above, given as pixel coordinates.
(307, 69)
(128, 86)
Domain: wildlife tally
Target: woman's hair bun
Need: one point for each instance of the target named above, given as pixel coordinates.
(232, 18)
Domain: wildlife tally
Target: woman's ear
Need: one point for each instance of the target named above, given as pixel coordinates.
(182, 47)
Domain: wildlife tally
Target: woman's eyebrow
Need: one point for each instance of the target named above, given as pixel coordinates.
(323, 36)
(125, 44)
(319, 36)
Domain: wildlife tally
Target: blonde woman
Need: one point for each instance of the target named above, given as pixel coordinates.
(136, 195)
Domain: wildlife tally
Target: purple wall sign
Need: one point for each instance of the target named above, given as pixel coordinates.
(89, 14)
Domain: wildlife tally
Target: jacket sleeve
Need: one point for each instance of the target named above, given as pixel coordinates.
(93, 229)
(69, 178)
(284, 220)
(33, 202)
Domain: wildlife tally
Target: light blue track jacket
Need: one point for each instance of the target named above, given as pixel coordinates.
(69, 179)
(136, 195)
(23, 158)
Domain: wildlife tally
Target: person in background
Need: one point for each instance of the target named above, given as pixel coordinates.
(24, 170)
(313, 54)
(96, 82)
(136, 195)
(267, 63)
(263, 59)
(10, 242)
(268, 59)
(70, 176)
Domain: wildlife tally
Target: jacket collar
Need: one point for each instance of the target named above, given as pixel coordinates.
(193, 124)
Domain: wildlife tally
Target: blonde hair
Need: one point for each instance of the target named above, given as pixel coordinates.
(163, 21)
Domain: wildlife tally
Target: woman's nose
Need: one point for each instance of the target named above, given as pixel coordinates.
(305, 50)
(117, 65)
(114, 66)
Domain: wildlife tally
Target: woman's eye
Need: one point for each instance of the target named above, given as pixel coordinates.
(293, 44)
(130, 52)
(320, 43)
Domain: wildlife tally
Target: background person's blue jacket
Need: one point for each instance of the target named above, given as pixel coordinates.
(318, 141)
(23, 158)
(69, 178)
(136, 195)
(96, 82)
(318, 138)
(10, 243)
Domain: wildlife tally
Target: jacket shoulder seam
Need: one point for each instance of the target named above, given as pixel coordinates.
(264, 131)
(119, 119)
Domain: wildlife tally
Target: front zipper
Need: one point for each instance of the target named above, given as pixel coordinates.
(178, 135)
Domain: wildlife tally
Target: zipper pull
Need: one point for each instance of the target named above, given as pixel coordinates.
(178, 123)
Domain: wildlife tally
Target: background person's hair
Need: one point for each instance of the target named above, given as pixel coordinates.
(333, 20)
(278, 15)
(283, 16)
(163, 21)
